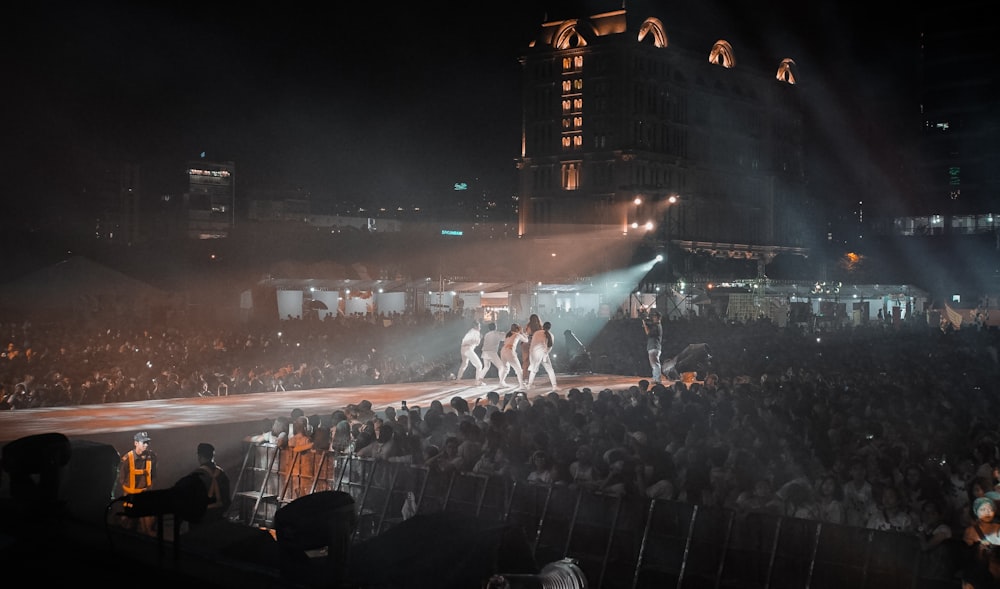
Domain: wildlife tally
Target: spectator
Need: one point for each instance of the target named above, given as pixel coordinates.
(890, 515)
(216, 483)
(830, 504)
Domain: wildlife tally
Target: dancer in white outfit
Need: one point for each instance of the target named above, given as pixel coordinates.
(470, 341)
(534, 324)
(491, 350)
(538, 352)
(509, 355)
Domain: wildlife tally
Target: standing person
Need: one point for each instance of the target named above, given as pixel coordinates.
(509, 355)
(216, 484)
(491, 350)
(137, 473)
(859, 497)
(890, 516)
(534, 324)
(470, 341)
(538, 352)
(983, 536)
(654, 336)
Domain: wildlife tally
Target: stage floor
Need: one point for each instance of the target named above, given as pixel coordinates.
(173, 414)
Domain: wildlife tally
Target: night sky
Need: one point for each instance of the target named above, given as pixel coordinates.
(358, 103)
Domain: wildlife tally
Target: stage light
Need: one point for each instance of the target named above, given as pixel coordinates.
(561, 574)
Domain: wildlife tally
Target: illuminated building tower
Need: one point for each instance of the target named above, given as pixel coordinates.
(621, 128)
(210, 199)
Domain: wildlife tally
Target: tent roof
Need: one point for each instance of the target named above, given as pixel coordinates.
(71, 281)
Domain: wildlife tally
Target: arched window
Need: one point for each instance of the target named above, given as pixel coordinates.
(652, 30)
(570, 176)
(786, 71)
(568, 37)
(722, 54)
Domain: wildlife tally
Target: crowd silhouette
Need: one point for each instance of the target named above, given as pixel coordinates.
(890, 427)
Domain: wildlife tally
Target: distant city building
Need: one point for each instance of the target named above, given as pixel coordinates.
(210, 199)
(624, 131)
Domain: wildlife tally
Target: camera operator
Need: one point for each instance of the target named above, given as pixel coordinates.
(654, 334)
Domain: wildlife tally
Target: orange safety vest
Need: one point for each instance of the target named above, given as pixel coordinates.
(131, 485)
(215, 501)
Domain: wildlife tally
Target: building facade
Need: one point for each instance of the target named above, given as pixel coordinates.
(210, 199)
(686, 148)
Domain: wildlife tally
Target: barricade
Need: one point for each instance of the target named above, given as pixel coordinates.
(618, 541)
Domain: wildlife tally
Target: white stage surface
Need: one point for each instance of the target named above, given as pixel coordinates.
(87, 420)
(178, 425)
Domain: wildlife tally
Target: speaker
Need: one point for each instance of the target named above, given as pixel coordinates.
(442, 550)
(34, 464)
(319, 520)
(90, 480)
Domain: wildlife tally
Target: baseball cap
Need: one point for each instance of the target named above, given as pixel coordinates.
(141, 437)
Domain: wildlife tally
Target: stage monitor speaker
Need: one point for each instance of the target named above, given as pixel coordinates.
(90, 480)
(319, 520)
(34, 465)
(441, 550)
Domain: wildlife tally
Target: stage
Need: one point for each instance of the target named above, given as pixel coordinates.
(176, 426)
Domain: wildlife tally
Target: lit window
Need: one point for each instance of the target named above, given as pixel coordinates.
(722, 54)
(785, 71)
(570, 176)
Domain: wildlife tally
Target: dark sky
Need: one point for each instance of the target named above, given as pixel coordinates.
(353, 102)
(395, 97)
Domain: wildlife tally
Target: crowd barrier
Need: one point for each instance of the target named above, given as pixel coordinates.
(618, 542)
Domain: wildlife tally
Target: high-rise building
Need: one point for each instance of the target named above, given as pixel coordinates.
(960, 98)
(623, 130)
(210, 199)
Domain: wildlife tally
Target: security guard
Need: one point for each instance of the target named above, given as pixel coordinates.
(137, 473)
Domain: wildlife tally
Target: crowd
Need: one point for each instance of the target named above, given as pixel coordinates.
(890, 427)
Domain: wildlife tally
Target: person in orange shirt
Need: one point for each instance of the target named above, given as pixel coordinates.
(136, 474)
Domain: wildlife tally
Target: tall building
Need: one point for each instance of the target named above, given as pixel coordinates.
(960, 98)
(210, 199)
(624, 131)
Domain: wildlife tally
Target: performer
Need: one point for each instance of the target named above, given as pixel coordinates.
(541, 345)
(491, 350)
(654, 336)
(534, 324)
(470, 341)
(509, 355)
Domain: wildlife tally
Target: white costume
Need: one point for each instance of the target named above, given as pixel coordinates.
(469, 356)
(538, 353)
(509, 356)
(491, 351)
